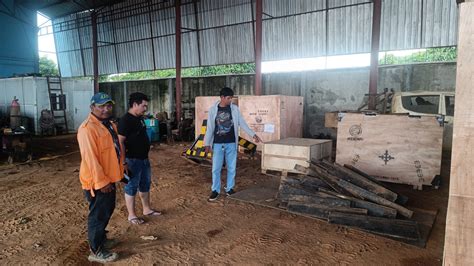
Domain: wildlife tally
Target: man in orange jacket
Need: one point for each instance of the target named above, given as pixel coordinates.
(100, 169)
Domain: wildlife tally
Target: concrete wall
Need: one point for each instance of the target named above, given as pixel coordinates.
(324, 91)
(19, 40)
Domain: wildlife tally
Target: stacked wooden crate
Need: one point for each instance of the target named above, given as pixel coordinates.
(272, 117)
(394, 148)
(347, 196)
(283, 155)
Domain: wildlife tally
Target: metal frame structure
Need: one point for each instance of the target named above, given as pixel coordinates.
(90, 19)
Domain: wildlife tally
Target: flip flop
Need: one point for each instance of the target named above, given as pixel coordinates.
(154, 213)
(136, 220)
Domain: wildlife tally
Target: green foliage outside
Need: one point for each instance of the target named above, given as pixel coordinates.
(186, 72)
(47, 67)
(447, 54)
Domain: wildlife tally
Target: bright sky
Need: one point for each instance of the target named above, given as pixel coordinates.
(329, 62)
(46, 42)
(46, 48)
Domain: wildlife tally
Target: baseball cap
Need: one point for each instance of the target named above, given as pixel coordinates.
(101, 98)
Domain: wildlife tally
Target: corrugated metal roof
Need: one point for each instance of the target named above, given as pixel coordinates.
(139, 35)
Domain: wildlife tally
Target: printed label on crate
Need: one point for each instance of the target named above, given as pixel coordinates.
(355, 131)
(269, 128)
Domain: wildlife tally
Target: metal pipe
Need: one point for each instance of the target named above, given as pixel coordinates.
(95, 52)
(258, 48)
(374, 54)
(178, 60)
(196, 19)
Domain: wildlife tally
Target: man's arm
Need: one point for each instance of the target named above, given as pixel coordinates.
(89, 150)
(122, 156)
(209, 131)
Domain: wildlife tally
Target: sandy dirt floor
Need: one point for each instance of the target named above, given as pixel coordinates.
(43, 219)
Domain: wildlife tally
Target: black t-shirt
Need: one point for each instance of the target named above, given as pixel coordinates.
(137, 144)
(224, 131)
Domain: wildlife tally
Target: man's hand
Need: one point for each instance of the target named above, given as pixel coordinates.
(107, 189)
(207, 149)
(257, 138)
(125, 168)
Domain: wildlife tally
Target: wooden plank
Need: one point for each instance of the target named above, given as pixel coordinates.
(305, 182)
(401, 199)
(373, 209)
(372, 197)
(285, 191)
(327, 201)
(459, 241)
(362, 173)
(396, 228)
(322, 211)
(360, 181)
(393, 148)
(321, 175)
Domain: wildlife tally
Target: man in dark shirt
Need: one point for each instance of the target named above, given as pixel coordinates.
(132, 135)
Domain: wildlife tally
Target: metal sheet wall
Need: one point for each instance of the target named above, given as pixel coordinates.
(141, 37)
(350, 29)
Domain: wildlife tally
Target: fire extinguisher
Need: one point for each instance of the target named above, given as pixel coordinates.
(15, 114)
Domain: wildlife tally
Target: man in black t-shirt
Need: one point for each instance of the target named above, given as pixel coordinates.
(133, 137)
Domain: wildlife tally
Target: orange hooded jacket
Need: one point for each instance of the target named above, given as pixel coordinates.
(100, 165)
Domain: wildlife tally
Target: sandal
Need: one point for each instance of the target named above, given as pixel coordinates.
(153, 213)
(136, 220)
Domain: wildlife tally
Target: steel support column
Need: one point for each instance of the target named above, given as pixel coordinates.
(178, 60)
(374, 54)
(258, 47)
(95, 53)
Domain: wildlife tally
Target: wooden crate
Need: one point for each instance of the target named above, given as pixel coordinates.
(459, 240)
(272, 117)
(283, 155)
(202, 105)
(394, 148)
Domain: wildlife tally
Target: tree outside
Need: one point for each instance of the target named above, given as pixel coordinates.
(248, 68)
(445, 54)
(47, 67)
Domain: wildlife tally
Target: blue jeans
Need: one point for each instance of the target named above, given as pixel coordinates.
(219, 152)
(140, 176)
(101, 208)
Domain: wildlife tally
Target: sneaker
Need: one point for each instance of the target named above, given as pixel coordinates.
(230, 192)
(214, 196)
(103, 256)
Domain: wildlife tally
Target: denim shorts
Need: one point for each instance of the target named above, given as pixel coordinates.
(140, 178)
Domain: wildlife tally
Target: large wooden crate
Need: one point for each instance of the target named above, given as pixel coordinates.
(272, 117)
(202, 105)
(283, 155)
(393, 148)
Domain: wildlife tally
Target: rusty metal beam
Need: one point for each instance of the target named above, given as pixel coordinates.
(95, 52)
(258, 48)
(178, 60)
(198, 38)
(374, 54)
